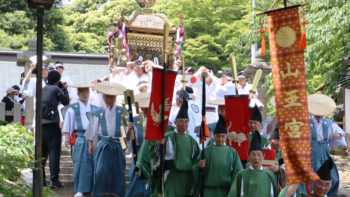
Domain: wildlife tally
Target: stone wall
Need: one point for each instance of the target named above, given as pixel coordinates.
(78, 66)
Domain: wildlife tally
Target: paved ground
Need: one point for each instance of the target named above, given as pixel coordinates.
(343, 164)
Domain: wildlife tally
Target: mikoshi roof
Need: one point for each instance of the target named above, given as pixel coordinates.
(110, 88)
(81, 85)
(320, 104)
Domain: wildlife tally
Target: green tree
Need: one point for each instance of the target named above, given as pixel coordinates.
(213, 29)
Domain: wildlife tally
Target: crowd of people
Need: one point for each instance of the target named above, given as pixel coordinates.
(92, 125)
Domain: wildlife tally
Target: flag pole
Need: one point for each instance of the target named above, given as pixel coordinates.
(234, 72)
(161, 147)
(202, 133)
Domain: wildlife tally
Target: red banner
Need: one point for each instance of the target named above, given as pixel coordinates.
(237, 122)
(153, 129)
(270, 157)
(288, 69)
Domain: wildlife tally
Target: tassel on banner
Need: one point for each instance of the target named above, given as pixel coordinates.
(205, 133)
(308, 189)
(263, 41)
(302, 43)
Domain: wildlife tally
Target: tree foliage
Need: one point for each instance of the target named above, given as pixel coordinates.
(18, 26)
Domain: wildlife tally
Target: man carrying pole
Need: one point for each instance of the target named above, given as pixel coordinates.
(219, 164)
(158, 117)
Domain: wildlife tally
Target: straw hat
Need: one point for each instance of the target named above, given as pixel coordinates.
(273, 101)
(142, 96)
(110, 88)
(81, 85)
(320, 104)
(143, 99)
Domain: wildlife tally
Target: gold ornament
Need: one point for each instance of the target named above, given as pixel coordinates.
(285, 37)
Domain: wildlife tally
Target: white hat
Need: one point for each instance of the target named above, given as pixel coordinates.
(142, 84)
(34, 58)
(59, 64)
(220, 94)
(10, 90)
(81, 85)
(110, 88)
(143, 99)
(320, 104)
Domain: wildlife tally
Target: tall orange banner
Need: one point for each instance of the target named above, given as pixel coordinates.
(288, 69)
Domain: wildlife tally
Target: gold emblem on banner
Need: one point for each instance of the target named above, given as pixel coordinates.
(235, 136)
(285, 37)
(294, 128)
(156, 116)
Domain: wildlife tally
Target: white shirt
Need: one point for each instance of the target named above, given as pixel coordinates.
(194, 117)
(94, 128)
(144, 77)
(334, 128)
(245, 89)
(69, 119)
(129, 81)
(31, 89)
(116, 78)
(96, 99)
(73, 92)
(319, 129)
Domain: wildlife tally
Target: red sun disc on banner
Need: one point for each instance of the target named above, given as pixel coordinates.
(193, 79)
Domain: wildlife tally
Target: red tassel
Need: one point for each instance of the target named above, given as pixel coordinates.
(302, 43)
(206, 133)
(263, 45)
(263, 41)
(308, 189)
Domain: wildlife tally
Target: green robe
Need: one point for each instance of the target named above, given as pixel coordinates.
(145, 163)
(283, 193)
(179, 180)
(264, 142)
(255, 183)
(177, 172)
(222, 165)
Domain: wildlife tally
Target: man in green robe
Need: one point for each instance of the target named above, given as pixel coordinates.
(255, 180)
(220, 165)
(320, 186)
(180, 155)
(255, 125)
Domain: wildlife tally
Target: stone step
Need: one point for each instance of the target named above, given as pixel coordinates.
(66, 158)
(65, 152)
(66, 164)
(62, 171)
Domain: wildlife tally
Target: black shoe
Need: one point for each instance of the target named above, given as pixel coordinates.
(56, 184)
